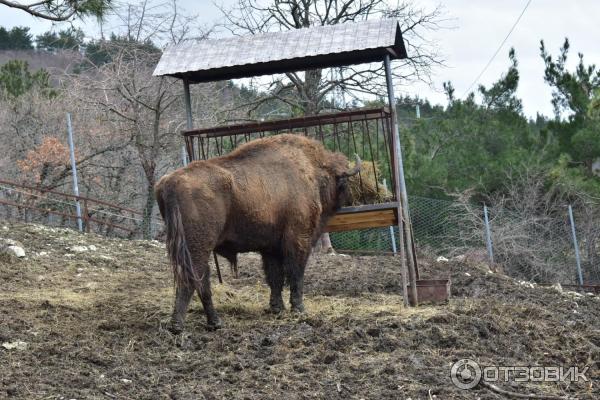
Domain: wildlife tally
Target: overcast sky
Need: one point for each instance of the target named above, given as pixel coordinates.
(478, 29)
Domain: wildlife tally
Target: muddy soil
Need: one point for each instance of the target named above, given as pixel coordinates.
(90, 325)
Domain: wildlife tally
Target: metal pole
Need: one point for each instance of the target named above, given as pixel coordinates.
(393, 238)
(418, 111)
(577, 257)
(488, 235)
(403, 213)
(74, 171)
(184, 157)
(188, 103)
(188, 113)
(392, 235)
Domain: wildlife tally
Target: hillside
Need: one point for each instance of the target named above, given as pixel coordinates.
(88, 322)
(56, 63)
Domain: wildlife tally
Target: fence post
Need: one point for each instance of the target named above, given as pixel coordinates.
(392, 235)
(488, 235)
(74, 171)
(577, 257)
(393, 238)
(86, 215)
(184, 158)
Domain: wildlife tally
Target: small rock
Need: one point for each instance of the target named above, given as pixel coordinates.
(92, 247)
(16, 345)
(78, 249)
(126, 380)
(12, 247)
(40, 278)
(42, 253)
(557, 287)
(5, 228)
(69, 255)
(459, 258)
(16, 251)
(441, 259)
(467, 274)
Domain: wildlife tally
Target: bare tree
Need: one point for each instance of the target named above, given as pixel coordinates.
(308, 91)
(142, 109)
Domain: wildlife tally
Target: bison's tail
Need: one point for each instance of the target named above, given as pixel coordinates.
(181, 259)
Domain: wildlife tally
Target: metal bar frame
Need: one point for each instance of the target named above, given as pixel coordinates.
(401, 194)
(290, 123)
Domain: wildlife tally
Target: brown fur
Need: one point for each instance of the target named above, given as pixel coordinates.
(272, 196)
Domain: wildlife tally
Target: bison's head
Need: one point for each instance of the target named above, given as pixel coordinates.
(339, 190)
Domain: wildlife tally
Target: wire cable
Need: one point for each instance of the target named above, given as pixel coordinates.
(498, 50)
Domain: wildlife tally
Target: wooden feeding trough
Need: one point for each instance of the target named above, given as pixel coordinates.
(372, 133)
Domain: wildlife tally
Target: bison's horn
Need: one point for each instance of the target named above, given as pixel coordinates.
(356, 169)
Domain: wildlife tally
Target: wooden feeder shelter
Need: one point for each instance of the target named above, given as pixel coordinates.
(372, 133)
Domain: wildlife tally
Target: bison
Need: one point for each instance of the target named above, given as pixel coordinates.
(273, 196)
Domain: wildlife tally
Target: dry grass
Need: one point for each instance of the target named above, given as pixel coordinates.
(96, 331)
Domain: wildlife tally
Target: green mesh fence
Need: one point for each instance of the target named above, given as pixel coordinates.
(437, 225)
(528, 247)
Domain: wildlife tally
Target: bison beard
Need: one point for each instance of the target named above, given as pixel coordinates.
(273, 196)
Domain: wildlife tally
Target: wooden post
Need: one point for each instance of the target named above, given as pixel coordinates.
(400, 189)
(86, 216)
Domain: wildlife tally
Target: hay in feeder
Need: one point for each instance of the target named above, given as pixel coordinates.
(364, 187)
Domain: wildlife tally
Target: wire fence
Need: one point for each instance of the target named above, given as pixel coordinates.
(28, 204)
(538, 248)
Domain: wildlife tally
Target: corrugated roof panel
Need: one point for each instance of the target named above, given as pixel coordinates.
(275, 52)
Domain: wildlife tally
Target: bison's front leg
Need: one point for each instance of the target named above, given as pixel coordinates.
(183, 295)
(275, 278)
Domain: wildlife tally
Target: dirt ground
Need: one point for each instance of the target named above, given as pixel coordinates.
(89, 324)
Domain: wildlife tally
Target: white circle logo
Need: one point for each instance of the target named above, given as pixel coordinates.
(465, 374)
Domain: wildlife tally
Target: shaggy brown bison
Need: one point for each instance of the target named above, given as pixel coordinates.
(272, 196)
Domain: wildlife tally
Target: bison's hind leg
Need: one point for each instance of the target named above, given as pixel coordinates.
(275, 279)
(294, 264)
(183, 295)
(202, 284)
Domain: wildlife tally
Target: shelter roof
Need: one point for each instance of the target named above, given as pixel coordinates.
(279, 52)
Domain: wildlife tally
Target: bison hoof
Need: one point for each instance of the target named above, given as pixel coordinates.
(214, 325)
(276, 309)
(175, 328)
(298, 308)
